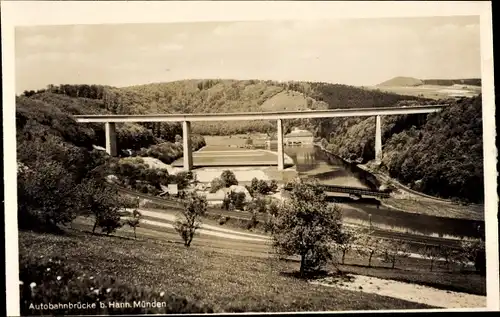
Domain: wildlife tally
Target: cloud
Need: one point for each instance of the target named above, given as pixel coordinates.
(446, 30)
(170, 47)
(40, 40)
(181, 36)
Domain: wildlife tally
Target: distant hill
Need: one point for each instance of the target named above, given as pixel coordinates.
(410, 82)
(402, 82)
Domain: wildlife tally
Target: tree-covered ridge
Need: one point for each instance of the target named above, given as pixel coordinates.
(445, 156)
(439, 154)
(200, 96)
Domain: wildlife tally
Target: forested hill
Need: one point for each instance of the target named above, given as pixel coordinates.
(439, 154)
(200, 96)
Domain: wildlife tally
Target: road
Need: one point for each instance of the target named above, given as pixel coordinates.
(347, 210)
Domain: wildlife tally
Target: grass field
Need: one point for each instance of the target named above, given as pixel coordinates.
(225, 282)
(414, 270)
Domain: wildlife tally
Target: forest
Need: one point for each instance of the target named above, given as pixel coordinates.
(439, 154)
(60, 173)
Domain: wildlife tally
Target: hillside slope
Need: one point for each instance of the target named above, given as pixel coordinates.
(194, 96)
(438, 154)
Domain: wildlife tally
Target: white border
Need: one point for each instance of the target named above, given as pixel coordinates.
(25, 13)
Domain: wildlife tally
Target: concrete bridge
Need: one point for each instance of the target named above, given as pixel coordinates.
(186, 119)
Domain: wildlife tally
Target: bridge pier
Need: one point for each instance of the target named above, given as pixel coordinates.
(281, 158)
(110, 130)
(187, 149)
(378, 139)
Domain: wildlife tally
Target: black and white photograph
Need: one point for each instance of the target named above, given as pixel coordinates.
(249, 157)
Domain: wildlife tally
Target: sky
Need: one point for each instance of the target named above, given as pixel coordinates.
(360, 52)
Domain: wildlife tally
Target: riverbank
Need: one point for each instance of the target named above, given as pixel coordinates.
(408, 200)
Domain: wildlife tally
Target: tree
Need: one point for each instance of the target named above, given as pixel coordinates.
(103, 203)
(228, 178)
(216, 184)
(474, 251)
(257, 205)
(194, 208)
(448, 254)
(306, 226)
(432, 253)
(46, 196)
(369, 245)
(134, 221)
(249, 142)
(178, 139)
(346, 241)
(394, 251)
(273, 186)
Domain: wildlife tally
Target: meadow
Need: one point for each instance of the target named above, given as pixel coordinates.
(201, 278)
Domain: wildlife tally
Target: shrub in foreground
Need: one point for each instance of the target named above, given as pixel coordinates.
(48, 286)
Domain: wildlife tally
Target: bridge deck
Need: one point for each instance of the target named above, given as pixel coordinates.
(307, 114)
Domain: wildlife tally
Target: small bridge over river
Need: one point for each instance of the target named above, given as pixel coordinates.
(355, 191)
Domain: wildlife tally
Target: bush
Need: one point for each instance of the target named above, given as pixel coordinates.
(47, 197)
(51, 282)
(257, 205)
(166, 152)
(273, 186)
(234, 199)
(183, 179)
(223, 219)
(228, 178)
(262, 187)
(216, 184)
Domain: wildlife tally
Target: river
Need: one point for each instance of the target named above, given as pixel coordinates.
(312, 162)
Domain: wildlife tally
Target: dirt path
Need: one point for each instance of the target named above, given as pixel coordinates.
(406, 291)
